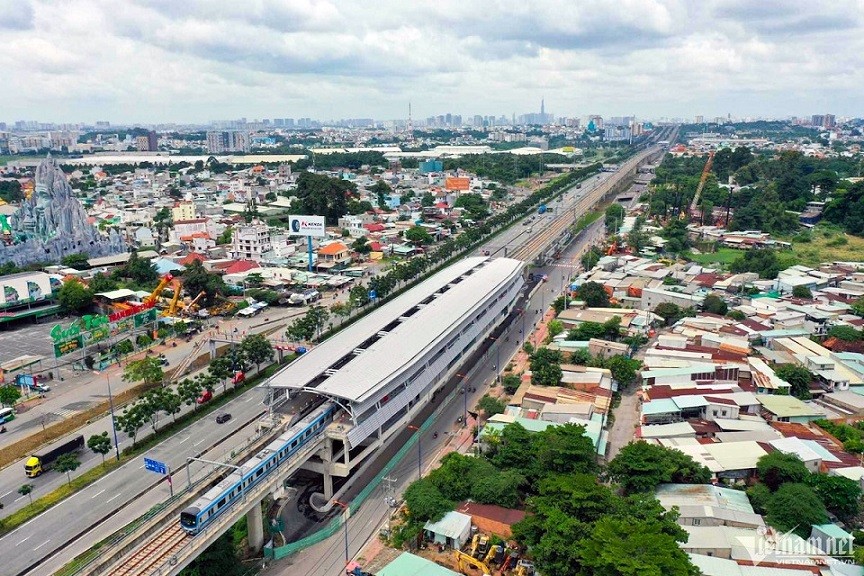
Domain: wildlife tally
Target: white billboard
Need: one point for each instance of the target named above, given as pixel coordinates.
(306, 226)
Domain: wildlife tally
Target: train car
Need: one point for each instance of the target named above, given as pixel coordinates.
(224, 494)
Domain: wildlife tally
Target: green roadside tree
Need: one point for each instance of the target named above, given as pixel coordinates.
(425, 502)
(511, 383)
(491, 406)
(147, 370)
(27, 490)
(100, 444)
(67, 463)
(131, 420)
(257, 349)
(9, 395)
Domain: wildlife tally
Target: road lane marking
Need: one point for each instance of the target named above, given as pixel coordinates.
(97, 494)
(19, 498)
(42, 544)
(113, 497)
(142, 465)
(22, 541)
(6, 494)
(199, 442)
(184, 439)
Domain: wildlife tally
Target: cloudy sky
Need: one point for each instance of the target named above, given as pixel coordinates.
(202, 60)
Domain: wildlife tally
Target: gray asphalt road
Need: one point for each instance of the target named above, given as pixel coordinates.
(67, 398)
(40, 537)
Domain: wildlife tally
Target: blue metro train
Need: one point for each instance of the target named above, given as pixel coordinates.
(221, 496)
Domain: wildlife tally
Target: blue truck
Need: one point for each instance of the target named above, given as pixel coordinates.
(541, 209)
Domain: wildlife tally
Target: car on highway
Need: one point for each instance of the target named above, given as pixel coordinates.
(223, 417)
(206, 396)
(485, 252)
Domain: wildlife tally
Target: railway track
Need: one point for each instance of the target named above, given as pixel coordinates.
(148, 559)
(534, 247)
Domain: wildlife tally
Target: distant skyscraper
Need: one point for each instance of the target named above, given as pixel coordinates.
(829, 122)
(817, 120)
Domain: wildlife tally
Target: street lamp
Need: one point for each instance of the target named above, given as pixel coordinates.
(464, 401)
(345, 508)
(419, 450)
(111, 405)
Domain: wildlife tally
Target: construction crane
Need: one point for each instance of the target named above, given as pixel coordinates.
(172, 306)
(191, 307)
(704, 178)
(153, 298)
(466, 561)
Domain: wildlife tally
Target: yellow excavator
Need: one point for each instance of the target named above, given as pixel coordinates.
(479, 546)
(525, 568)
(465, 561)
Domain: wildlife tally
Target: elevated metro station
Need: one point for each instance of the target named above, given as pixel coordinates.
(385, 367)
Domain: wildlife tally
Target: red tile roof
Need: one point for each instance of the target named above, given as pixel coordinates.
(241, 266)
(374, 227)
(192, 257)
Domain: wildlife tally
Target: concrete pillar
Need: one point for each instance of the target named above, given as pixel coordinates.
(328, 485)
(255, 525)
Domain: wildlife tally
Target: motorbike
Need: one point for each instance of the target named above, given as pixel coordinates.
(435, 436)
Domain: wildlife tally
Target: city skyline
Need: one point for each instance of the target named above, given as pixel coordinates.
(194, 62)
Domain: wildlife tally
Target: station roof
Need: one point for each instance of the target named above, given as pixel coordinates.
(361, 359)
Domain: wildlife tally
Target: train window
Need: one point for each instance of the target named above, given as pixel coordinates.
(221, 503)
(294, 444)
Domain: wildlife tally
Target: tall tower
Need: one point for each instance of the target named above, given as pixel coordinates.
(543, 108)
(410, 126)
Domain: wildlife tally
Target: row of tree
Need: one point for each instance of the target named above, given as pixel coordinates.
(159, 399)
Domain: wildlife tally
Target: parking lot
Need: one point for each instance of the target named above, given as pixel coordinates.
(24, 339)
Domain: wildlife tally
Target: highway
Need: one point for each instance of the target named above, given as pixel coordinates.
(24, 547)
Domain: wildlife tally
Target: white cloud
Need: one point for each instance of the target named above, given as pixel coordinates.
(198, 60)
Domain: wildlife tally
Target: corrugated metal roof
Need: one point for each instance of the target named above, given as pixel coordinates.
(396, 351)
(408, 564)
(452, 525)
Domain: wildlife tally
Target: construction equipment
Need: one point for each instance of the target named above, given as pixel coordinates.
(479, 546)
(192, 306)
(465, 561)
(172, 305)
(704, 178)
(525, 568)
(495, 555)
(153, 298)
(511, 561)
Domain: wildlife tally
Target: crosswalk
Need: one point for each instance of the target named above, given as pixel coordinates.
(63, 413)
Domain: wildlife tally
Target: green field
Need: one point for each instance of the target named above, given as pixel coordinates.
(721, 256)
(822, 244)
